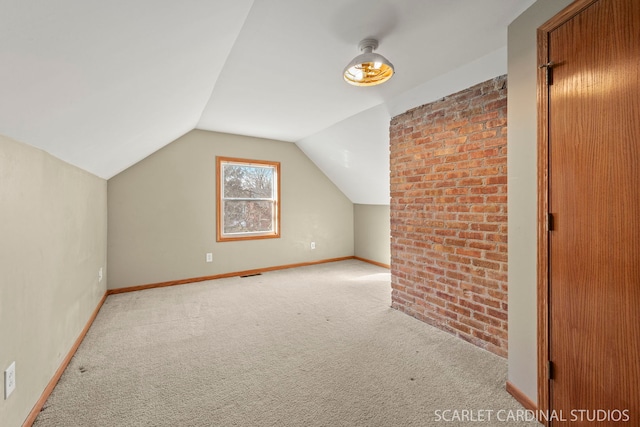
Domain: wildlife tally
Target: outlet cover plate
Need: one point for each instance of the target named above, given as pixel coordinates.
(9, 380)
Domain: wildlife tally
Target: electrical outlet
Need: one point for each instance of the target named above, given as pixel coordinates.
(9, 380)
(313, 245)
(209, 257)
(100, 275)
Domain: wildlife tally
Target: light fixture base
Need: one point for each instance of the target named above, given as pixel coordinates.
(371, 44)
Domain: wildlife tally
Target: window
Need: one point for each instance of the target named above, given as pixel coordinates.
(248, 199)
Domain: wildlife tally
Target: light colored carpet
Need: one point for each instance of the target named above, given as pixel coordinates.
(310, 346)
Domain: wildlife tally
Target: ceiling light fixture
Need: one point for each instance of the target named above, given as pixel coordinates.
(368, 68)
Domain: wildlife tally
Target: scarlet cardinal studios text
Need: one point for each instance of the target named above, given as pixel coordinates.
(507, 415)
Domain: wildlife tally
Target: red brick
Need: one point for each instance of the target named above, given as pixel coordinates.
(469, 252)
(502, 200)
(458, 259)
(502, 103)
(483, 135)
(472, 181)
(487, 320)
(474, 217)
(499, 295)
(497, 123)
(456, 124)
(497, 180)
(457, 190)
(471, 199)
(485, 227)
(486, 172)
(471, 305)
(499, 314)
(457, 174)
(475, 127)
(455, 141)
(448, 214)
(486, 301)
(485, 246)
(485, 117)
(486, 264)
(496, 256)
(486, 337)
(471, 235)
(486, 208)
(457, 158)
(460, 327)
(456, 276)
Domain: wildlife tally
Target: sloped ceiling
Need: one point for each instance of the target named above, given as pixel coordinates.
(103, 84)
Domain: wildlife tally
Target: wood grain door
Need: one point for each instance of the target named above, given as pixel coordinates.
(594, 199)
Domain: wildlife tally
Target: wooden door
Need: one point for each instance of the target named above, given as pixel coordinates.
(594, 199)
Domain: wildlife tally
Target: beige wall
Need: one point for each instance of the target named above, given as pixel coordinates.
(53, 229)
(372, 232)
(162, 213)
(522, 146)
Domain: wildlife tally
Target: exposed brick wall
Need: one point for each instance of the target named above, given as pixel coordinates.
(449, 214)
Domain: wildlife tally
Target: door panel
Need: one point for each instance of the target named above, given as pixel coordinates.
(594, 196)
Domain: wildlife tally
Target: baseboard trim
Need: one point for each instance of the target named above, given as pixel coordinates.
(65, 362)
(222, 276)
(522, 398)
(379, 264)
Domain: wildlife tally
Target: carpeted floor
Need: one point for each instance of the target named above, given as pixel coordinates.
(310, 346)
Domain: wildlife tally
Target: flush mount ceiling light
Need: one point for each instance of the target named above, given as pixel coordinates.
(368, 68)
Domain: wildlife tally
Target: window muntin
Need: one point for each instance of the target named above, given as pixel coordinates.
(248, 199)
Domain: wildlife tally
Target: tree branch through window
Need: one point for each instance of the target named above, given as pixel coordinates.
(248, 199)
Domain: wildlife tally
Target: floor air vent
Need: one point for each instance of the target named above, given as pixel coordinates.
(251, 275)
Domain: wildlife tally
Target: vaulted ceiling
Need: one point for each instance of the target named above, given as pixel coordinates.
(103, 84)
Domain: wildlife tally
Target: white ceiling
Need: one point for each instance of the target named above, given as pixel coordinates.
(103, 84)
